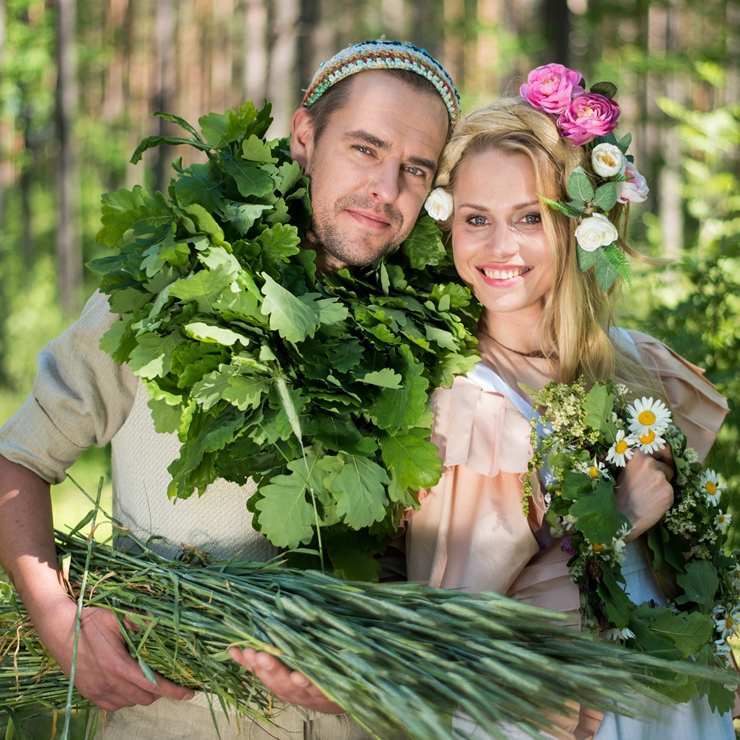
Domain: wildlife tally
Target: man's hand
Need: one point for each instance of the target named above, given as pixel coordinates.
(643, 490)
(105, 672)
(290, 686)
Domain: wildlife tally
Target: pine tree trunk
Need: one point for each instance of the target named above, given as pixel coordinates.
(282, 82)
(255, 50)
(556, 25)
(69, 253)
(165, 85)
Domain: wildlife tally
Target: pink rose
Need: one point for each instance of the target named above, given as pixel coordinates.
(587, 117)
(550, 88)
(635, 188)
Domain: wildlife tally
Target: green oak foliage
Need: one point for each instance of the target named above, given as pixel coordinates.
(315, 385)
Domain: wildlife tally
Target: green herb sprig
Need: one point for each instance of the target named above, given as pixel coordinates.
(314, 385)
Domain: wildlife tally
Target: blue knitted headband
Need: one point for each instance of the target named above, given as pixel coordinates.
(382, 54)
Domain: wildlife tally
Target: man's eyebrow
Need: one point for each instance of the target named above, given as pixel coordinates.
(373, 140)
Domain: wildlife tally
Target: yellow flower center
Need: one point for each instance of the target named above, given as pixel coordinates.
(721, 519)
(729, 622)
(621, 447)
(646, 418)
(648, 437)
(608, 160)
(597, 547)
(711, 487)
(594, 472)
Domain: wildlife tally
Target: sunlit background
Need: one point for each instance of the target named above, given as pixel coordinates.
(79, 80)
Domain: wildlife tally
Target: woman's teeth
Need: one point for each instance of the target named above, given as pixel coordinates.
(503, 274)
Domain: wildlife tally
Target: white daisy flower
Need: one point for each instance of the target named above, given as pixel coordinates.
(722, 521)
(622, 450)
(618, 545)
(593, 469)
(647, 414)
(722, 647)
(649, 442)
(616, 634)
(712, 486)
(728, 624)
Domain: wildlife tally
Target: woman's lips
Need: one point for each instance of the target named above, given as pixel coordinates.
(503, 275)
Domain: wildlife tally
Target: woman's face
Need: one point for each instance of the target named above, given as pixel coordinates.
(498, 239)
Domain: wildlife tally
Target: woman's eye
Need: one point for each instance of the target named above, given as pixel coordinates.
(532, 219)
(477, 221)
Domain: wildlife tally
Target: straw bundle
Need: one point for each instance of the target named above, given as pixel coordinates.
(393, 655)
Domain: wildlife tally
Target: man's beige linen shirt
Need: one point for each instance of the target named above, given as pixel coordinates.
(80, 398)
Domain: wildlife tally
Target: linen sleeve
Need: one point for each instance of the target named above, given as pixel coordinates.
(698, 407)
(81, 397)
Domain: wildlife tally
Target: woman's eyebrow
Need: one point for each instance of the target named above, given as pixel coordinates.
(517, 207)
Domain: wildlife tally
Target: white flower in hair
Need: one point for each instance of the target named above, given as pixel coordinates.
(439, 204)
(607, 160)
(596, 231)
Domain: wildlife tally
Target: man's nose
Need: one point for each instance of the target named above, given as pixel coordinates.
(383, 185)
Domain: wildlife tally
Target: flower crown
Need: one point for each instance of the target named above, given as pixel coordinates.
(587, 119)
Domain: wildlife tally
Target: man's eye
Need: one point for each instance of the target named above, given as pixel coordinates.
(416, 171)
(362, 149)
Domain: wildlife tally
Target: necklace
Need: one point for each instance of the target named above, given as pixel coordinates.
(537, 353)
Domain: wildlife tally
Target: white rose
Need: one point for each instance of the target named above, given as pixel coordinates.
(607, 160)
(439, 204)
(596, 231)
(635, 188)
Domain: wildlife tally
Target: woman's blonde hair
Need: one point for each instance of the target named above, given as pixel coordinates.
(578, 315)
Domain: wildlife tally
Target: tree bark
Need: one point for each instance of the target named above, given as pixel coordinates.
(282, 82)
(165, 86)
(255, 51)
(3, 246)
(556, 25)
(69, 252)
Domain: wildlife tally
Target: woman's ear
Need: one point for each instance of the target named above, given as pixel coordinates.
(301, 137)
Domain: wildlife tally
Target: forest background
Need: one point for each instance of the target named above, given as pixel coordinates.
(79, 80)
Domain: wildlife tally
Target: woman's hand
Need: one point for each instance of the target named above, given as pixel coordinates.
(290, 686)
(643, 490)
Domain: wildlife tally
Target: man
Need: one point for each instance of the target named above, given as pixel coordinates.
(369, 136)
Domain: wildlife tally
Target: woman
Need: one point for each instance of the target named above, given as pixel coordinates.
(543, 319)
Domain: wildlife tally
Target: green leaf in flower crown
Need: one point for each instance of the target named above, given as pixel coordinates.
(624, 143)
(607, 89)
(618, 260)
(257, 150)
(170, 118)
(250, 179)
(288, 175)
(218, 258)
(243, 215)
(452, 365)
(385, 378)
(345, 356)
(289, 316)
(245, 391)
(402, 408)
(586, 260)
(209, 390)
(360, 491)
(597, 513)
(441, 336)
(119, 341)
(423, 246)
(720, 698)
(689, 632)
(152, 357)
(579, 186)
(605, 271)
(412, 458)
(572, 210)
(700, 584)
(598, 407)
(605, 196)
(204, 287)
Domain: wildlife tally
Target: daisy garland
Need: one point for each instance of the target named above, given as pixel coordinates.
(590, 435)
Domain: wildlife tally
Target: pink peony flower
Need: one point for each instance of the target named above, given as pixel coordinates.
(587, 117)
(635, 188)
(550, 88)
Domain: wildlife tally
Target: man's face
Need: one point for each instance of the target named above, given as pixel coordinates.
(372, 167)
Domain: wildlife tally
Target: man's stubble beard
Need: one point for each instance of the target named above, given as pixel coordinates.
(346, 249)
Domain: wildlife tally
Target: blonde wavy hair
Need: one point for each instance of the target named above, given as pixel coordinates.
(578, 314)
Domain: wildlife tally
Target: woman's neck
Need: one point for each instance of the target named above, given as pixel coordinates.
(516, 332)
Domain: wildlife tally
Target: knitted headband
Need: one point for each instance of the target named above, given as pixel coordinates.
(382, 54)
